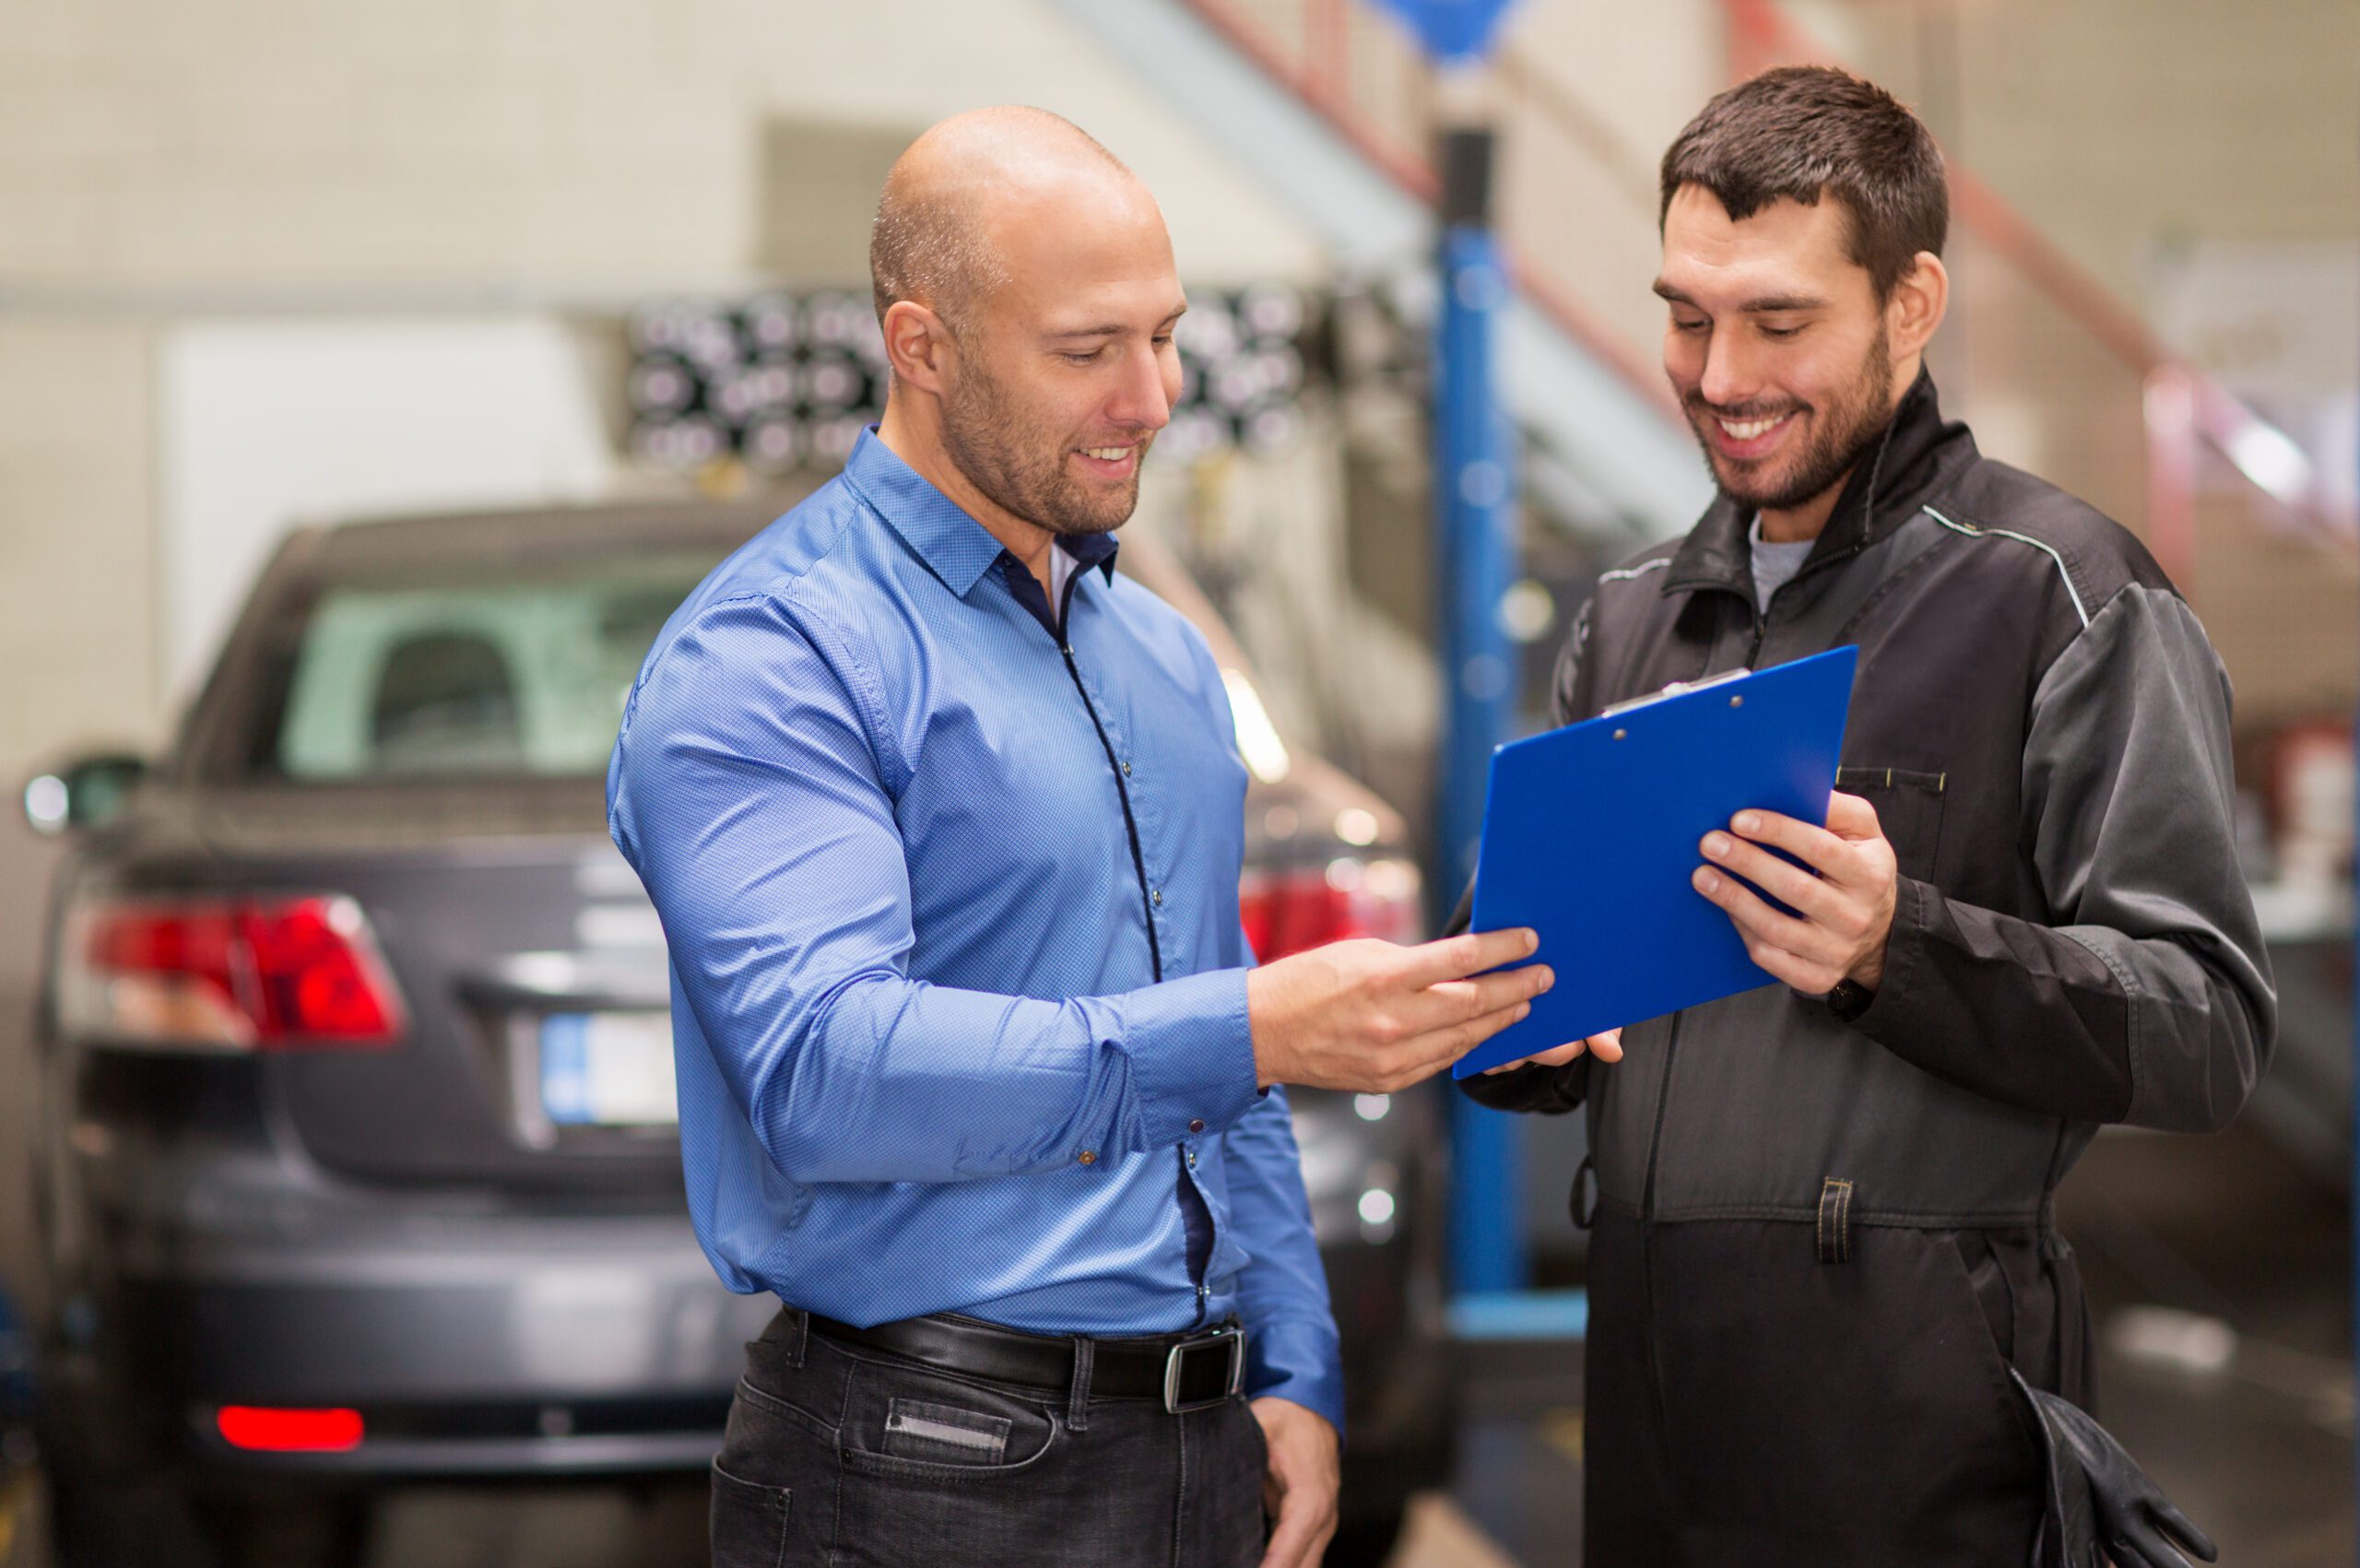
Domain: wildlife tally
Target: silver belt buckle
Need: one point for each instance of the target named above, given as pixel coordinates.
(1232, 1338)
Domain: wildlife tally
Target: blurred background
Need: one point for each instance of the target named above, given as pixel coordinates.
(569, 299)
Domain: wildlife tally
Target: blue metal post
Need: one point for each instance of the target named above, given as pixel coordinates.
(1474, 558)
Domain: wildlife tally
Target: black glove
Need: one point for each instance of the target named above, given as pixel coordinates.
(2100, 1499)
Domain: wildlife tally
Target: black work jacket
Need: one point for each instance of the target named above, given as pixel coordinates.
(2044, 730)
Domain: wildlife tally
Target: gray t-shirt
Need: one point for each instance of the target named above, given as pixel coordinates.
(1774, 563)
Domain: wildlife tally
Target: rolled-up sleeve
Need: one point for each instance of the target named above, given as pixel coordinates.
(763, 828)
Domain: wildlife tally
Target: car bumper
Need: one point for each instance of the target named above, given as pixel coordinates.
(490, 1345)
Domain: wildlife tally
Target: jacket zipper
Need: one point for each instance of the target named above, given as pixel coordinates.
(1654, 1149)
(1671, 1037)
(1647, 1239)
(1655, 1141)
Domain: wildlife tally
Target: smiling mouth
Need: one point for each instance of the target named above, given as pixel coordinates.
(1750, 438)
(1112, 462)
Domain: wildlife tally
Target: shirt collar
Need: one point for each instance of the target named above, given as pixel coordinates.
(954, 547)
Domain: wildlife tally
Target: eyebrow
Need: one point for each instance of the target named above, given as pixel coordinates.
(1767, 304)
(1108, 331)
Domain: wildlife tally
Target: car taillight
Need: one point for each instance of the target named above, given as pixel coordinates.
(1287, 911)
(266, 1431)
(226, 974)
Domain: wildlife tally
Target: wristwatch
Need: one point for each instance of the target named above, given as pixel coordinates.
(1849, 999)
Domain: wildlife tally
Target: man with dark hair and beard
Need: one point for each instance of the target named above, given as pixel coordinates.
(1832, 1321)
(944, 820)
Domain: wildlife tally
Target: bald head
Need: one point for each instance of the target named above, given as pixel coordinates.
(1027, 297)
(938, 236)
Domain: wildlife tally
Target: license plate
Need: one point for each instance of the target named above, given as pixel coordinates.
(608, 1069)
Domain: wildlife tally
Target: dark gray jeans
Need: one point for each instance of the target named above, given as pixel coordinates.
(843, 1456)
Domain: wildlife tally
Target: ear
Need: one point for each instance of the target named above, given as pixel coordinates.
(918, 346)
(1919, 301)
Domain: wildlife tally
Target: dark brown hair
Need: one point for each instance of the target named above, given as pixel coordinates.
(1804, 130)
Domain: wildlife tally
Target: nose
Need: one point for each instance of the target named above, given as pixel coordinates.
(1144, 399)
(1731, 376)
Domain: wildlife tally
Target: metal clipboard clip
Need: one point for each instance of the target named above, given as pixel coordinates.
(1677, 688)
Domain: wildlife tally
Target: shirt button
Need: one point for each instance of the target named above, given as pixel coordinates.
(1196, 1126)
(1126, 770)
(1192, 1160)
(1090, 1157)
(1158, 897)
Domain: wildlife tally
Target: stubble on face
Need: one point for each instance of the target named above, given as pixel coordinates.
(1017, 461)
(1841, 433)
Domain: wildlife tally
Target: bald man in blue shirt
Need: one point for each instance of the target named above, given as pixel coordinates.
(943, 816)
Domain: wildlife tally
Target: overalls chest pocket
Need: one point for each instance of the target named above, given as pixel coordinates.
(1909, 811)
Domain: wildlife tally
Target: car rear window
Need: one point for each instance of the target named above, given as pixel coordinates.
(524, 678)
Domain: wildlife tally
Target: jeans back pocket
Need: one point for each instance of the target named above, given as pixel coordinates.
(748, 1522)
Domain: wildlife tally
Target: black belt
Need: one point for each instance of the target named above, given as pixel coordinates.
(1187, 1372)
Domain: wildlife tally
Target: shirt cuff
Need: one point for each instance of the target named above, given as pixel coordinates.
(1192, 1056)
(1297, 1359)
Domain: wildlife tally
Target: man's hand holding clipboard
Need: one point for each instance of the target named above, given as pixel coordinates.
(1592, 835)
(1842, 895)
(1843, 898)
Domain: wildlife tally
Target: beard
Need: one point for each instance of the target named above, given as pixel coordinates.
(1021, 467)
(1850, 425)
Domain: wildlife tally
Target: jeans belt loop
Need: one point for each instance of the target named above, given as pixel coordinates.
(1085, 1354)
(1228, 1338)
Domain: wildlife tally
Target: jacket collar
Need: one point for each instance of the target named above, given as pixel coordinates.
(1916, 445)
(953, 546)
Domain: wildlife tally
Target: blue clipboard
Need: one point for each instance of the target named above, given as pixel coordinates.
(1590, 834)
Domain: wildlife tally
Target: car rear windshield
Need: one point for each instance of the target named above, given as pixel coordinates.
(521, 678)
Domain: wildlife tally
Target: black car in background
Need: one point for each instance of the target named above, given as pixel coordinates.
(357, 1159)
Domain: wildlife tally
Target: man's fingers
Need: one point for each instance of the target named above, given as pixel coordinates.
(1791, 950)
(1454, 1000)
(1816, 847)
(1779, 877)
(1850, 817)
(1606, 1047)
(1296, 1535)
(1555, 1057)
(1756, 920)
(1428, 1054)
(1455, 958)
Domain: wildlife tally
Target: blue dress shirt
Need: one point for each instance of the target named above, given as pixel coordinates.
(959, 986)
